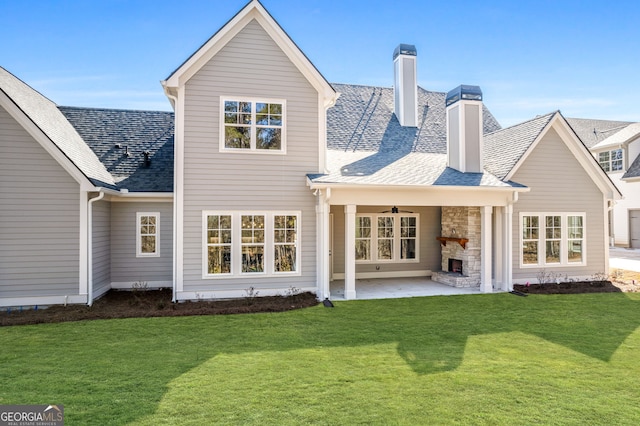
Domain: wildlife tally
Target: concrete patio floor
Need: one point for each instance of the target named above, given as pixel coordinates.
(390, 288)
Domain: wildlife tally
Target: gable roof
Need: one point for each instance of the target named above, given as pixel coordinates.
(135, 132)
(591, 131)
(252, 11)
(45, 115)
(634, 170)
(505, 148)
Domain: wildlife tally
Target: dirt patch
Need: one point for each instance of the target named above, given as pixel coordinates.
(153, 303)
(619, 281)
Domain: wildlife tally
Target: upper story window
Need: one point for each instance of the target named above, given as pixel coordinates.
(252, 125)
(387, 237)
(147, 234)
(611, 161)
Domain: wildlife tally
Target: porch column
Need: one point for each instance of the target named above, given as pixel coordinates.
(350, 251)
(498, 248)
(322, 216)
(507, 238)
(486, 285)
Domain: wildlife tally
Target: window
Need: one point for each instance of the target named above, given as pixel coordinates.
(611, 161)
(552, 239)
(218, 244)
(250, 243)
(147, 234)
(363, 238)
(387, 237)
(251, 125)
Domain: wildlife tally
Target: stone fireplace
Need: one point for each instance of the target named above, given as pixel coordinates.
(460, 247)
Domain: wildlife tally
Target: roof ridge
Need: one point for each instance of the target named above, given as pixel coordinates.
(537, 117)
(114, 109)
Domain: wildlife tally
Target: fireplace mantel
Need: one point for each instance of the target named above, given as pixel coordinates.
(462, 241)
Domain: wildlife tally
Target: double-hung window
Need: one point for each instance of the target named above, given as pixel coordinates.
(241, 243)
(147, 234)
(611, 161)
(552, 239)
(252, 125)
(387, 237)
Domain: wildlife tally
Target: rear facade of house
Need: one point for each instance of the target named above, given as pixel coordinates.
(268, 179)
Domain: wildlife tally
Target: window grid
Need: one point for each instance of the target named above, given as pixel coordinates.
(252, 243)
(147, 230)
(611, 161)
(219, 231)
(250, 125)
(285, 230)
(386, 237)
(363, 238)
(555, 239)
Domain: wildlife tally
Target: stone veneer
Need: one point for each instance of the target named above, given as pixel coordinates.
(461, 222)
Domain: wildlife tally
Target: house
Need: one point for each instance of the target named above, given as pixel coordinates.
(268, 177)
(616, 146)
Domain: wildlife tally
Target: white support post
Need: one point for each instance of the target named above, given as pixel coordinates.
(322, 216)
(498, 249)
(486, 285)
(507, 267)
(350, 252)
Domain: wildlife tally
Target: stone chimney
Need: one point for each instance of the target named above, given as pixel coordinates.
(464, 129)
(406, 85)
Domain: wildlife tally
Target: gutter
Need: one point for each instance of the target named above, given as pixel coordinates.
(321, 185)
(174, 102)
(90, 246)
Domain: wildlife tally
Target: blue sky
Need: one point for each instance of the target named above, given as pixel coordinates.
(529, 57)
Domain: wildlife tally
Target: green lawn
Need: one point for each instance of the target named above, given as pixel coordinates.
(481, 359)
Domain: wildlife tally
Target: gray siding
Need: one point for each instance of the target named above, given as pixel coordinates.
(125, 266)
(39, 218)
(253, 66)
(429, 225)
(101, 247)
(559, 184)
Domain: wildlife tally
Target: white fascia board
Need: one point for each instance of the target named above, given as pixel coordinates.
(44, 141)
(322, 185)
(253, 10)
(148, 197)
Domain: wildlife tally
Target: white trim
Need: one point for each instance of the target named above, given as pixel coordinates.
(236, 244)
(28, 301)
(128, 285)
(253, 126)
(84, 244)
(142, 197)
(486, 235)
(139, 252)
(253, 10)
(178, 187)
(387, 274)
(564, 239)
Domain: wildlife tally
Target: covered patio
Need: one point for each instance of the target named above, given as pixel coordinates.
(391, 288)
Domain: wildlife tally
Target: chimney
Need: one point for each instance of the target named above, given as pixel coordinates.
(406, 85)
(464, 129)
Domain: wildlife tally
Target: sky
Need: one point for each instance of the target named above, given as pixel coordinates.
(529, 57)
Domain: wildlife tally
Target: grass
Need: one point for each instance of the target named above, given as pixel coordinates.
(481, 359)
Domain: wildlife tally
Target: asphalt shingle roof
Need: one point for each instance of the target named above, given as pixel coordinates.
(367, 145)
(135, 132)
(504, 148)
(45, 114)
(591, 132)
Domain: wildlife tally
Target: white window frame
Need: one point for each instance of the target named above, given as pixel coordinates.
(607, 165)
(254, 126)
(396, 241)
(237, 244)
(139, 234)
(564, 240)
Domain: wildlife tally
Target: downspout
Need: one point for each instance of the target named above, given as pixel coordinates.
(90, 247)
(174, 101)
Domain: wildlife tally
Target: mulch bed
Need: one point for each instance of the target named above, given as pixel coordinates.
(153, 303)
(568, 287)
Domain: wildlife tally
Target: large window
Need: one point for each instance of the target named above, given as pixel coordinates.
(552, 239)
(250, 243)
(387, 237)
(252, 125)
(147, 234)
(611, 161)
